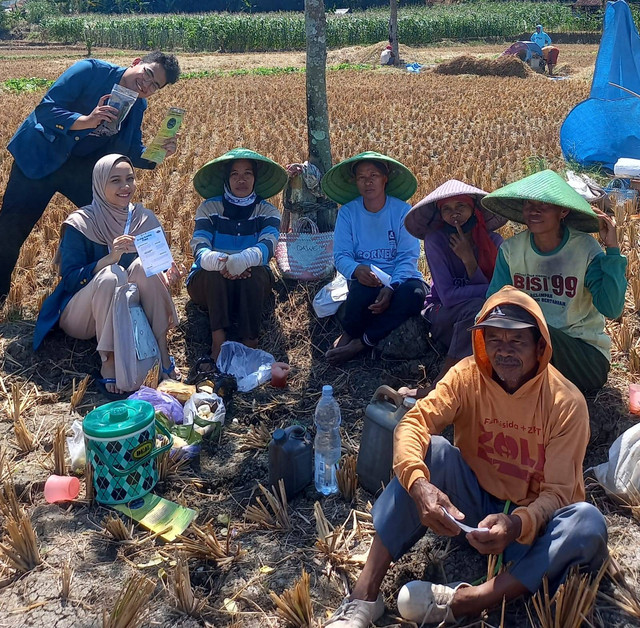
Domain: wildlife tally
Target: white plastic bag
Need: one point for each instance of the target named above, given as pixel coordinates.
(627, 167)
(620, 475)
(75, 444)
(585, 186)
(329, 297)
(193, 412)
(251, 367)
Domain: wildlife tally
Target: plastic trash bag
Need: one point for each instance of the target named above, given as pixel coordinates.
(414, 67)
(187, 443)
(585, 186)
(620, 475)
(75, 444)
(251, 367)
(161, 402)
(206, 412)
(329, 297)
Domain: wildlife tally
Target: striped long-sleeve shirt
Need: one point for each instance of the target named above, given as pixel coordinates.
(222, 226)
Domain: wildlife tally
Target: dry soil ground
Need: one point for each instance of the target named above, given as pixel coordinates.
(226, 480)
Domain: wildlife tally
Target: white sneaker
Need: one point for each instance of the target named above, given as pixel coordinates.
(356, 613)
(427, 603)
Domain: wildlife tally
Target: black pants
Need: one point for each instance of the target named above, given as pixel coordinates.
(360, 322)
(25, 201)
(233, 301)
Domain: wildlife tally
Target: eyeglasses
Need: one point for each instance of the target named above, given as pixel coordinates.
(150, 80)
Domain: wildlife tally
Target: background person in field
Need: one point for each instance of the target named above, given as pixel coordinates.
(97, 262)
(57, 146)
(461, 249)
(370, 232)
(564, 269)
(236, 232)
(550, 55)
(540, 37)
(520, 432)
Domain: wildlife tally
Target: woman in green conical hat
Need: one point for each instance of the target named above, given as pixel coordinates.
(373, 250)
(563, 269)
(236, 232)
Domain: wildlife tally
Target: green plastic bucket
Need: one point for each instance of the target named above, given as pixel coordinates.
(120, 440)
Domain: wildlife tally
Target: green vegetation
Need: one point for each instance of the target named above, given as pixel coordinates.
(32, 84)
(285, 31)
(18, 85)
(271, 71)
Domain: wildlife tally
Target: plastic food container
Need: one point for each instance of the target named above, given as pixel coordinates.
(120, 440)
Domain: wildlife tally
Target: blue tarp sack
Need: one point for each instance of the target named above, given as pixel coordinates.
(414, 67)
(607, 125)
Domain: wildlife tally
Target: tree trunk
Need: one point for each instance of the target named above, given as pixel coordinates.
(317, 110)
(393, 32)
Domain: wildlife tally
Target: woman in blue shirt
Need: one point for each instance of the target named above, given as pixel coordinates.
(373, 250)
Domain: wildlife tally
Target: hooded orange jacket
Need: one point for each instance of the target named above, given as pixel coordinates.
(527, 446)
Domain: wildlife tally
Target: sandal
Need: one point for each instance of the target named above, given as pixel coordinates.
(101, 383)
(171, 372)
(199, 373)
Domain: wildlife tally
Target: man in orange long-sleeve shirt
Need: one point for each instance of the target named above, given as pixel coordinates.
(521, 431)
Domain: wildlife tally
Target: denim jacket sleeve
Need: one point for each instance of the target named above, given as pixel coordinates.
(56, 111)
(78, 259)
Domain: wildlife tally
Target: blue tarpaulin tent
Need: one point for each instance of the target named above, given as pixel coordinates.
(606, 127)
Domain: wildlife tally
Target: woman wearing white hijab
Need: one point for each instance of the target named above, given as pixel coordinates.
(235, 235)
(102, 277)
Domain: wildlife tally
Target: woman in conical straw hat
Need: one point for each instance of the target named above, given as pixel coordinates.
(373, 250)
(461, 249)
(236, 232)
(564, 269)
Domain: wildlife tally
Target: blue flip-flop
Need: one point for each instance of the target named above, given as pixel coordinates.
(171, 370)
(101, 383)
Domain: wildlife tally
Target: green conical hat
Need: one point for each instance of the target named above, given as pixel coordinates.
(339, 183)
(547, 187)
(270, 178)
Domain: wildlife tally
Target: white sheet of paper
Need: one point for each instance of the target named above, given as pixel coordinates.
(154, 251)
(462, 526)
(385, 278)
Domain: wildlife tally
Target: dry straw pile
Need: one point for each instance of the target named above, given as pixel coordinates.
(502, 66)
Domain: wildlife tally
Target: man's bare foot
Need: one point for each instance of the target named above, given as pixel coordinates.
(342, 340)
(218, 337)
(344, 353)
(108, 371)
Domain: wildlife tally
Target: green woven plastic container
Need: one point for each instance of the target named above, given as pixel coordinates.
(120, 440)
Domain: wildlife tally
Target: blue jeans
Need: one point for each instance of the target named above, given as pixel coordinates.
(575, 535)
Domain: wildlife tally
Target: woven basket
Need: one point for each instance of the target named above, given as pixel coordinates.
(305, 255)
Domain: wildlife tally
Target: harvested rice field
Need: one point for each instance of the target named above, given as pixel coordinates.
(487, 130)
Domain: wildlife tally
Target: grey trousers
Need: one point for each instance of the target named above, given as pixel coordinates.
(575, 535)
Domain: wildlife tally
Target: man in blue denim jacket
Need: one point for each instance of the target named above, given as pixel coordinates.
(56, 147)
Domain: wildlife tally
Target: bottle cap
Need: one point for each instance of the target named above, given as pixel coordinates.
(409, 402)
(327, 391)
(279, 435)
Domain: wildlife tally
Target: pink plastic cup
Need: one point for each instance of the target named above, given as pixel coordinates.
(634, 398)
(61, 488)
(279, 374)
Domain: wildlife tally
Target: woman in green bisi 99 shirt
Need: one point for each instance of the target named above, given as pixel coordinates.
(564, 269)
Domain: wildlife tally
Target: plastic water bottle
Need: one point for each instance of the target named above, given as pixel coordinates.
(327, 443)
